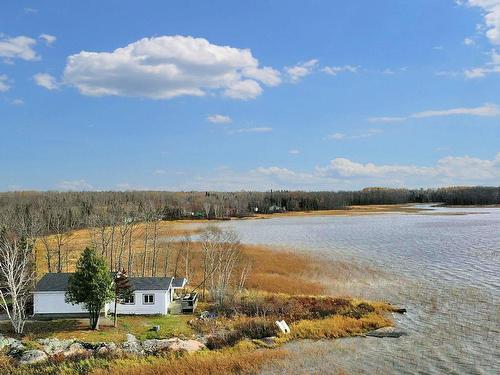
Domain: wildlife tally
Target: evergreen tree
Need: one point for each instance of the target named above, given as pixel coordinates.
(91, 285)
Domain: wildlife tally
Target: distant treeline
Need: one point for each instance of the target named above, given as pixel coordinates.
(81, 209)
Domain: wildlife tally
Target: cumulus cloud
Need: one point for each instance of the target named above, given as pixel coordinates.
(165, 67)
(491, 28)
(334, 70)
(299, 71)
(4, 85)
(19, 47)
(346, 168)
(48, 39)
(74, 185)
(486, 110)
(294, 152)
(46, 80)
(447, 170)
(493, 66)
(343, 173)
(491, 11)
(219, 119)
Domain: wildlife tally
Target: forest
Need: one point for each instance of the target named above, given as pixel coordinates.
(82, 209)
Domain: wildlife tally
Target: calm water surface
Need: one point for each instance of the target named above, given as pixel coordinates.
(444, 268)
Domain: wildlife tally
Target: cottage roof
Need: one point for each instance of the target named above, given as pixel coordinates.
(58, 282)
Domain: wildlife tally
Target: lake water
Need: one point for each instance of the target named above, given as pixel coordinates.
(443, 267)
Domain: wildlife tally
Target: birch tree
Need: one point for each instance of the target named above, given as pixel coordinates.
(17, 276)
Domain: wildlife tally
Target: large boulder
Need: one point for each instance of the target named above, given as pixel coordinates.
(132, 346)
(76, 349)
(387, 332)
(154, 345)
(53, 346)
(32, 356)
(189, 346)
(173, 344)
(107, 348)
(15, 346)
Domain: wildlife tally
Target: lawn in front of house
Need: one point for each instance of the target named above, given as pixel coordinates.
(138, 325)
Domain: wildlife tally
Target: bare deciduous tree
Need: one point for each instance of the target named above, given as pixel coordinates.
(17, 275)
(222, 256)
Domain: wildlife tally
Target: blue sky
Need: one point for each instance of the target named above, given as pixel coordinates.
(224, 95)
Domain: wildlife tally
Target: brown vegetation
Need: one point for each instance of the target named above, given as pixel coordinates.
(273, 270)
(235, 361)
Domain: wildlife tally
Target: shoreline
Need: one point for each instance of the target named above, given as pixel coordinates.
(356, 210)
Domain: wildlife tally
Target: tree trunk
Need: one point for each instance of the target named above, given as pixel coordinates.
(115, 319)
(129, 263)
(94, 319)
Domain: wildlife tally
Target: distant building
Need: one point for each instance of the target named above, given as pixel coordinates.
(275, 208)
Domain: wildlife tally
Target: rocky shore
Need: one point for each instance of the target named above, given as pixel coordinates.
(44, 349)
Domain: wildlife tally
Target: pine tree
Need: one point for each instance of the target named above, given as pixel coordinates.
(91, 285)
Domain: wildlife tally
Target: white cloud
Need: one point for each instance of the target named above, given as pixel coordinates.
(469, 41)
(4, 86)
(301, 70)
(255, 130)
(74, 185)
(46, 80)
(246, 89)
(493, 66)
(486, 110)
(169, 66)
(365, 134)
(387, 119)
(346, 168)
(452, 169)
(49, 39)
(219, 119)
(491, 11)
(294, 152)
(30, 10)
(17, 102)
(334, 70)
(342, 173)
(19, 47)
(336, 136)
(160, 171)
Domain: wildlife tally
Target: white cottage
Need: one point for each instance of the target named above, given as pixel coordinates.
(150, 296)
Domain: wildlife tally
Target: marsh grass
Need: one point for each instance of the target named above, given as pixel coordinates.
(242, 360)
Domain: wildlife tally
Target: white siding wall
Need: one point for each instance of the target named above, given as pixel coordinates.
(160, 306)
(53, 303)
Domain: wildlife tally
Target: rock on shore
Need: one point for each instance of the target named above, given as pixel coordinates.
(387, 332)
(71, 347)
